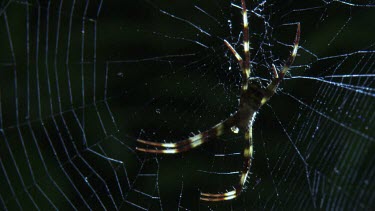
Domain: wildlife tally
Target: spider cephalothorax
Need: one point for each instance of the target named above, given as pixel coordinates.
(252, 98)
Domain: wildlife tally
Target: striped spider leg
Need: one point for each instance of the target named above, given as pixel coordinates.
(252, 98)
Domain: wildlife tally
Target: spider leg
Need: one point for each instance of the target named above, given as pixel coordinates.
(245, 79)
(244, 65)
(187, 144)
(238, 57)
(293, 55)
(246, 43)
(271, 88)
(247, 155)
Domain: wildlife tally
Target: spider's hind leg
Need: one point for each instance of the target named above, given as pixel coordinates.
(187, 144)
(247, 158)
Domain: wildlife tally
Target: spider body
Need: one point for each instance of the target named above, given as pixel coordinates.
(253, 96)
(250, 102)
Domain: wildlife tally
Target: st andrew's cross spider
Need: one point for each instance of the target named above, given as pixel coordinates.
(252, 98)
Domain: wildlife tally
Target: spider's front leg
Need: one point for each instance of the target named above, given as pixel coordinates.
(278, 77)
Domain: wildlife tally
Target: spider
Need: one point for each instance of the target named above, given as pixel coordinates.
(252, 98)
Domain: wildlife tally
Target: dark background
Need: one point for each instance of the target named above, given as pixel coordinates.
(80, 85)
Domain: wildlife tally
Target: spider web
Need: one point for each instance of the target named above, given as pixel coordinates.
(80, 81)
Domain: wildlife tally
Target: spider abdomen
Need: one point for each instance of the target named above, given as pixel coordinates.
(250, 103)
